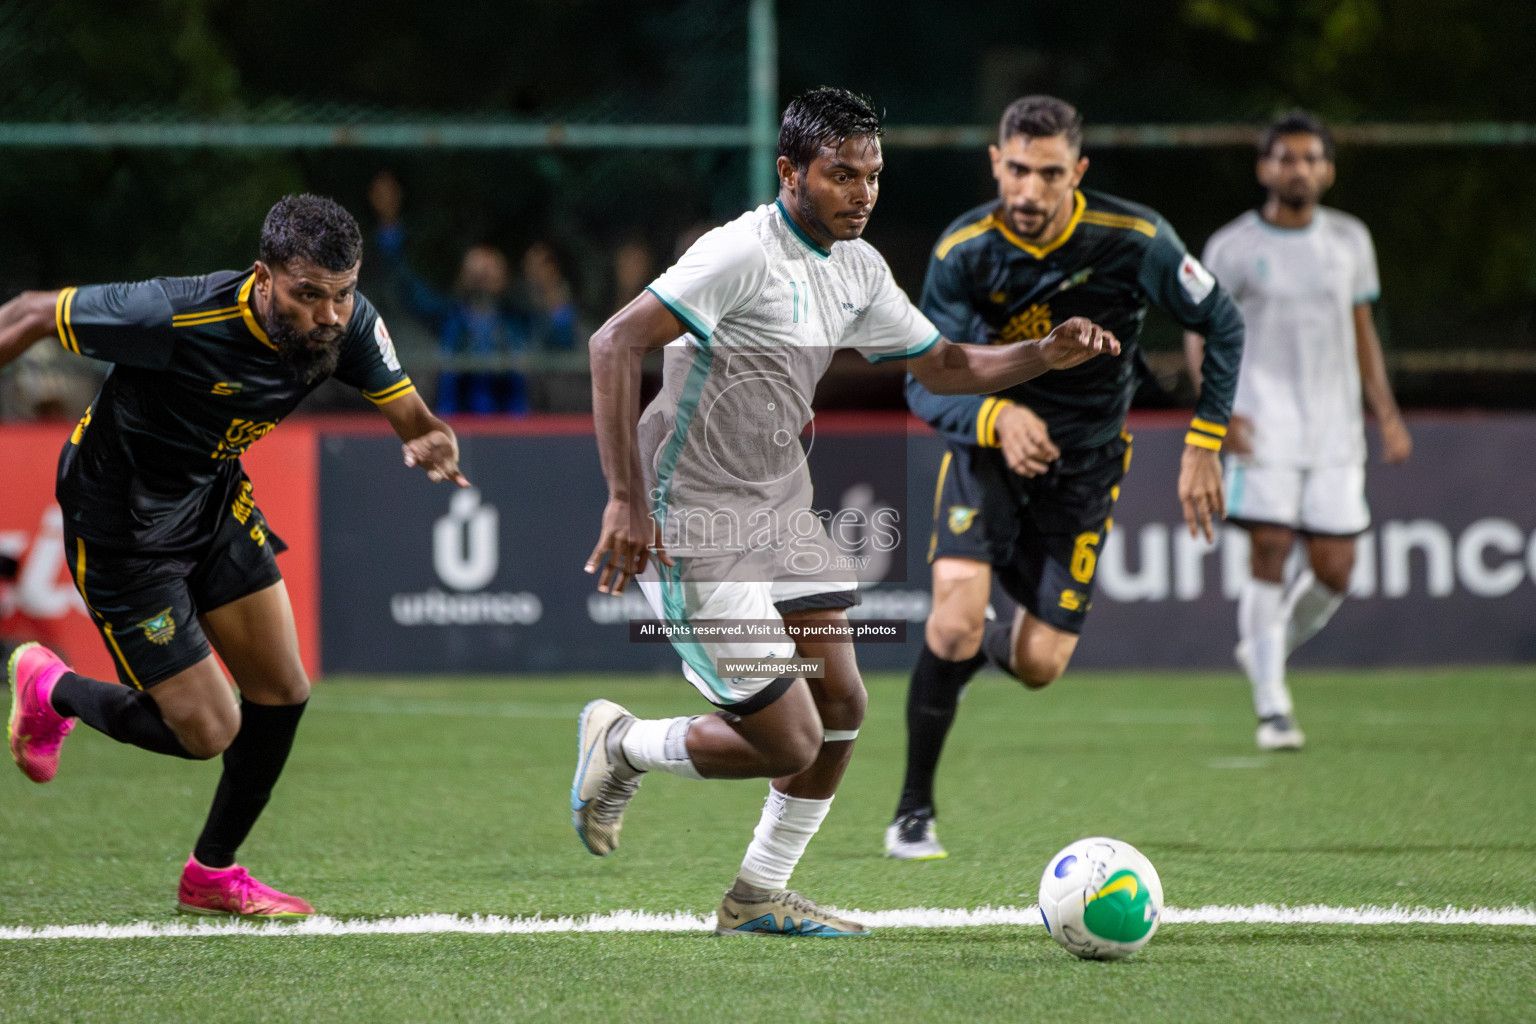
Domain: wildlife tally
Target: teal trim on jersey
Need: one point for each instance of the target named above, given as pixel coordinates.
(1368, 297)
(675, 607)
(689, 318)
(913, 354)
(673, 604)
(1235, 493)
(799, 232)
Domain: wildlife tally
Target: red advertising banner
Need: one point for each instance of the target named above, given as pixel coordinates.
(43, 604)
(284, 468)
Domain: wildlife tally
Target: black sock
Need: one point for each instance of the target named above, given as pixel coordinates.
(997, 645)
(126, 715)
(931, 702)
(251, 767)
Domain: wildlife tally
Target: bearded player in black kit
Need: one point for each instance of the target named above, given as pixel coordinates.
(163, 536)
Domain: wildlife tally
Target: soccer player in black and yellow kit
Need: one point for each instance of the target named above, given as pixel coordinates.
(1027, 485)
(164, 538)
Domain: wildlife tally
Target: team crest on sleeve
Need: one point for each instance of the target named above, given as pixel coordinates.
(961, 518)
(386, 345)
(1196, 281)
(161, 629)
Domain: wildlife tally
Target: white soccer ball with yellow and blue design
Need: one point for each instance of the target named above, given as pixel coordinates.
(1101, 899)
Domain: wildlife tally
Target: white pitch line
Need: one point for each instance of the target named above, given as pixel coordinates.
(644, 921)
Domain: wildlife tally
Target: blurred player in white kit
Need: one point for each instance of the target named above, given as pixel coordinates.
(1305, 277)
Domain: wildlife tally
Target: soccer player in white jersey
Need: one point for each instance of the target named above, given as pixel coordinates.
(1304, 276)
(750, 317)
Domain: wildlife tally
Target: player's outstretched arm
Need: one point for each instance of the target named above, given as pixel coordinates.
(950, 369)
(428, 442)
(25, 319)
(628, 534)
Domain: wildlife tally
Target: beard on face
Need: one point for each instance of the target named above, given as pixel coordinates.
(809, 215)
(1297, 194)
(1017, 212)
(308, 357)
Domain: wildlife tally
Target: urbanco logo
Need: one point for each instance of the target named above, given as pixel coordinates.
(466, 555)
(465, 544)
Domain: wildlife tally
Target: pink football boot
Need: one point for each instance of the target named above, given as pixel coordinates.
(233, 892)
(36, 730)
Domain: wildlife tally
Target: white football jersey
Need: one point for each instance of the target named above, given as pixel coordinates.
(765, 307)
(1300, 377)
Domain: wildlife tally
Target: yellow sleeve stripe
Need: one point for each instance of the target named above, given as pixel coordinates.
(1120, 220)
(1215, 429)
(981, 420)
(389, 394)
(386, 392)
(1202, 441)
(965, 234)
(203, 314)
(211, 318)
(986, 421)
(61, 311)
(1002, 403)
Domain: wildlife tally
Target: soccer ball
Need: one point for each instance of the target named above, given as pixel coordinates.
(1101, 899)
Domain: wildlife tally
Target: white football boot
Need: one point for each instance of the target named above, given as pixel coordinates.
(602, 786)
(914, 837)
(1279, 732)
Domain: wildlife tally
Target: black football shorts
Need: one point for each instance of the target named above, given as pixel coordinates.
(146, 605)
(1041, 535)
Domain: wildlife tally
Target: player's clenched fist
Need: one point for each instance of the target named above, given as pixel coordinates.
(1025, 441)
(1077, 340)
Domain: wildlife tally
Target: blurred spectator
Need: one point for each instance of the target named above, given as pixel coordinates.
(46, 383)
(478, 319)
(550, 300)
(633, 269)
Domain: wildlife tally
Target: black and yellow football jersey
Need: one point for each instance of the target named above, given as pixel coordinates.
(986, 285)
(195, 381)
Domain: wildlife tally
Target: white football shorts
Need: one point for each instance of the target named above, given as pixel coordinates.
(1328, 501)
(720, 604)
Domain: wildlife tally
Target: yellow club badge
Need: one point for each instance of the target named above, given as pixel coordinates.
(961, 518)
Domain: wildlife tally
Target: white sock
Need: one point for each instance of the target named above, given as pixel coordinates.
(1260, 627)
(1309, 604)
(780, 838)
(660, 745)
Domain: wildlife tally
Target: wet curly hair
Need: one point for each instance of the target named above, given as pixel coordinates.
(824, 116)
(314, 228)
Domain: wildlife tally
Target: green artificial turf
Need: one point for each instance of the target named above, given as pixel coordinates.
(441, 796)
